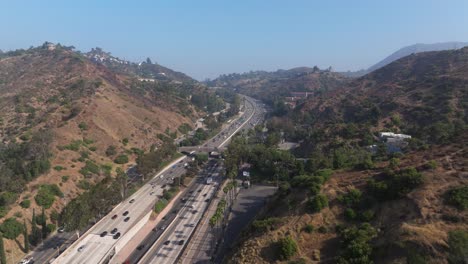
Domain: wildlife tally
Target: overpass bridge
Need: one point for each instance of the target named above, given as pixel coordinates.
(201, 149)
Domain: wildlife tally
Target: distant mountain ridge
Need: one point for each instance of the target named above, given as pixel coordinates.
(408, 50)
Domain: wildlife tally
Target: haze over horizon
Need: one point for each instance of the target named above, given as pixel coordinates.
(205, 39)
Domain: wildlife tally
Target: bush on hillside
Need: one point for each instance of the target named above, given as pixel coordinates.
(458, 197)
(287, 248)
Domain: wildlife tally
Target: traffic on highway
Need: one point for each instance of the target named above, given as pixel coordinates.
(101, 242)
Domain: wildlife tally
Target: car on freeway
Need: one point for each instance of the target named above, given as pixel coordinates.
(199, 190)
(116, 236)
(204, 195)
(174, 166)
(207, 200)
(181, 242)
(114, 217)
(151, 193)
(103, 234)
(125, 213)
(140, 247)
(163, 227)
(194, 211)
(114, 231)
(132, 200)
(126, 219)
(81, 248)
(167, 242)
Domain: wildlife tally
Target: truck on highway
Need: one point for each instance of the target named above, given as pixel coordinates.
(209, 180)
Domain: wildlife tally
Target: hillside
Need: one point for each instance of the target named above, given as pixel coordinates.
(268, 85)
(68, 122)
(145, 70)
(408, 50)
(344, 203)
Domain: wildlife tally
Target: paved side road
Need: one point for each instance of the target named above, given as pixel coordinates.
(245, 208)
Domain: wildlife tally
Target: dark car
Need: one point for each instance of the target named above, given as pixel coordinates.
(114, 217)
(114, 231)
(194, 211)
(167, 242)
(103, 234)
(199, 190)
(126, 219)
(116, 235)
(132, 200)
(140, 247)
(125, 213)
(207, 200)
(181, 242)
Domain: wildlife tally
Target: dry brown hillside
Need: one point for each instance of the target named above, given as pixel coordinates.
(419, 222)
(86, 108)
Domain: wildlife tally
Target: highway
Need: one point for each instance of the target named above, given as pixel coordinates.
(172, 240)
(95, 246)
(171, 243)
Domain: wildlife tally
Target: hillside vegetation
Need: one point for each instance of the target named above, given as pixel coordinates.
(69, 123)
(342, 203)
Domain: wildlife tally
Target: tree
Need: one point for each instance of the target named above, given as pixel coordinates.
(287, 247)
(43, 224)
(122, 179)
(2, 251)
(26, 237)
(319, 202)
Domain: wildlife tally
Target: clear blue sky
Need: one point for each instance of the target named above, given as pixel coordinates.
(207, 38)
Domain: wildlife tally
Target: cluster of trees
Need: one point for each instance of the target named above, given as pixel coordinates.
(209, 102)
(199, 136)
(45, 197)
(396, 184)
(22, 162)
(219, 213)
(355, 244)
(154, 159)
(92, 204)
(287, 248)
(458, 197)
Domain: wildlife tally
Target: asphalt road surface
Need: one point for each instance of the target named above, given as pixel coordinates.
(245, 207)
(94, 246)
(175, 236)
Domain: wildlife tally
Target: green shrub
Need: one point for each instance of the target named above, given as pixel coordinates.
(92, 148)
(458, 197)
(83, 184)
(352, 198)
(121, 159)
(350, 214)
(11, 228)
(322, 229)
(287, 248)
(266, 224)
(74, 145)
(160, 205)
(309, 228)
(90, 168)
(51, 228)
(59, 168)
(458, 246)
(65, 178)
(8, 198)
(88, 141)
(317, 203)
(111, 150)
(367, 215)
(83, 126)
(125, 141)
(45, 197)
(25, 203)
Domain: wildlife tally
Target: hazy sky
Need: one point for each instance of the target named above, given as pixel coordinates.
(207, 38)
